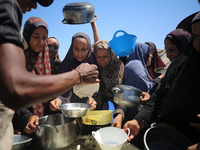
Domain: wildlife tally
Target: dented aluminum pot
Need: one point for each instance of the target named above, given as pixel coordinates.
(127, 96)
(78, 13)
(56, 131)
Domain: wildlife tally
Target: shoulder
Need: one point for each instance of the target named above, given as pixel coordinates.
(10, 22)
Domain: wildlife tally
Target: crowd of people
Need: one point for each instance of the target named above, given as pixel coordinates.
(34, 81)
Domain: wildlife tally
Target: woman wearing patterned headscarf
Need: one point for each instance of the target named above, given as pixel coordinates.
(175, 41)
(111, 71)
(38, 62)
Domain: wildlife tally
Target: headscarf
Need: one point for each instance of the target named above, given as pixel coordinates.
(136, 73)
(156, 61)
(37, 63)
(110, 75)
(70, 62)
(179, 37)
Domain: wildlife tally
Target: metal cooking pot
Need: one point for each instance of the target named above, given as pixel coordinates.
(20, 141)
(127, 96)
(78, 13)
(56, 131)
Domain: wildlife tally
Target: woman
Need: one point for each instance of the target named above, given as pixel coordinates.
(53, 45)
(176, 103)
(111, 71)
(79, 52)
(38, 62)
(175, 41)
(156, 61)
(136, 73)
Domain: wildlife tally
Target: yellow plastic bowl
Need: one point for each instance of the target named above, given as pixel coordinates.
(97, 117)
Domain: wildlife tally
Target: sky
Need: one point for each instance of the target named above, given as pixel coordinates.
(148, 20)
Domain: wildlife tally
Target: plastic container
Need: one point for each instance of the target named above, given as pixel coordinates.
(97, 117)
(123, 45)
(161, 138)
(110, 138)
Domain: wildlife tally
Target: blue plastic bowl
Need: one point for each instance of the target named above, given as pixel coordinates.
(123, 45)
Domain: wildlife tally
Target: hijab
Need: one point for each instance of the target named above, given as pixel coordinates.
(136, 73)
(37, 63)
(156, 61)
(70, 62)
(110, 75)
(180, 85)
(179, 37)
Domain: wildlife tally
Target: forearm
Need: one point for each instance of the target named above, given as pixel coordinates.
(95, 31)
(20, 88)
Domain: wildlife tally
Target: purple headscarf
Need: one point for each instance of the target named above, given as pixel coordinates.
(70, 62)
(179, 37)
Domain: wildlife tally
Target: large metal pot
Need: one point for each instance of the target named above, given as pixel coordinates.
(78, 13)
(20, 141)
(56, 131)
(127, 96)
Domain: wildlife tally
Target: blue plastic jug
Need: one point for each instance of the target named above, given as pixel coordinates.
(123, 45)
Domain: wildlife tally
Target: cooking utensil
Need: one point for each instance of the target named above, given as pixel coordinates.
(123, 45)
(111, 138)
(158, 138)
(56, 131)
(160, 70)
(78, 13)
(97, 117)
(75, 110)
(127, 96)
(20, 141)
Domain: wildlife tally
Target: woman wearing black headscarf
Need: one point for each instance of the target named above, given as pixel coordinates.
(176, 103)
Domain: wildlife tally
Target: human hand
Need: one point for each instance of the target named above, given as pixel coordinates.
(31, 126)
(134, 127)
(117, 122)
(194, 147)
(89, 73)
(93, 20)
(144, 97)
(196, 125)
(162, 75)
(54, 104)
(92, 102)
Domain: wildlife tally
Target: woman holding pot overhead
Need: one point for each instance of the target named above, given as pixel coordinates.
(79, 52)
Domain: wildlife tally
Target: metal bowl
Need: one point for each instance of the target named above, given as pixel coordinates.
(78, 13)
(74, 110)
(20, 141)
(160, 70)
(127, 96)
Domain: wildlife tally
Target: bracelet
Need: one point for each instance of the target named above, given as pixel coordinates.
(79, 75)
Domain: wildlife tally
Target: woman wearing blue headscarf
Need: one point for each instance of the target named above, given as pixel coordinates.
(136, 73)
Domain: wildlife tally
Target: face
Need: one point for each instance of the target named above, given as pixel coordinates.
(102, 57)
(196, 35)
(53, 46)
(148, 63)
(38, 39)
(26, 5)
(171, 49)
(80, 48)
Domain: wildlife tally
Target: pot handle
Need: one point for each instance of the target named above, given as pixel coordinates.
(128, 131)
(120, 31)
(64, 21)
(47, 125)
(117, 90)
